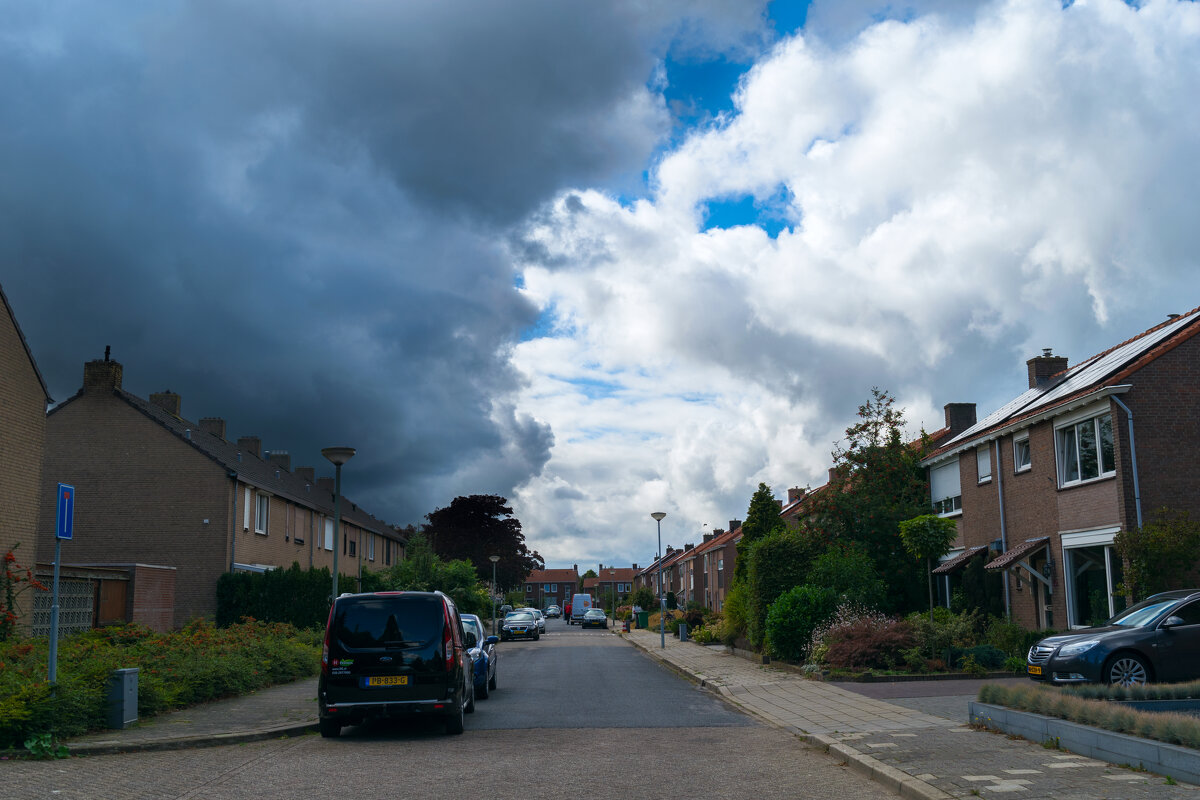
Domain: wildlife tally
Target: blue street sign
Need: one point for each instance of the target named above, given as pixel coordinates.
(66, 511)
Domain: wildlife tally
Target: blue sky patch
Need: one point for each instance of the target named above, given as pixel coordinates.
(745, 210)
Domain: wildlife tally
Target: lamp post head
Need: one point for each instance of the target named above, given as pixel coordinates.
(493, 559)
(338, 455)
(658, 515)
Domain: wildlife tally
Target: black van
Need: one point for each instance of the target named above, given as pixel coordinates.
(390, 654)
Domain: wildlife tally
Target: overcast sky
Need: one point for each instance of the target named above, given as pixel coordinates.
(600, 258)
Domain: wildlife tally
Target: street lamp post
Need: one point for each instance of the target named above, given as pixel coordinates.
(662, 600)
(493, 559)
(337, 456)
(612, 587)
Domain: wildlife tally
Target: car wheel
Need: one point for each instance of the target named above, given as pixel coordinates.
(492, 682)
(1127, 669)
(330, 728)
(482, 691)
(470, 709)
(454, 721)
(537, 636)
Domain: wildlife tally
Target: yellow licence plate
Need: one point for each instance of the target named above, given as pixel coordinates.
(1034, 670)
(388, 680)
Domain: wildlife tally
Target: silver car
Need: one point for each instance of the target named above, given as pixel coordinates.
(539, 616)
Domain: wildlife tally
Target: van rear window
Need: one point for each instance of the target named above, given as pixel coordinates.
(391, 623)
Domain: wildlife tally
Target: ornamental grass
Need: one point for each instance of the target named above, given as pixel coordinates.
(198, 663)
(1090, 705)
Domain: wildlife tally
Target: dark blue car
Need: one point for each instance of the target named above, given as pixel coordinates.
(483, 654)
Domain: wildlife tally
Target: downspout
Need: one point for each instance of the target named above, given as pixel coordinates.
(233, 523)
(1137, 492)
(1003, 529)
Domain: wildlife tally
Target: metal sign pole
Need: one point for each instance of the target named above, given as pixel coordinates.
(63, 529)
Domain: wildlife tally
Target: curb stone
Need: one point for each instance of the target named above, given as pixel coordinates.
(895, 780)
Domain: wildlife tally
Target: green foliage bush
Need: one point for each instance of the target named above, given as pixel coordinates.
(793, 617)
(199, 663)
(777, 563)
(850, 572)
(868, 642)
(644, 598)
(946, 630)
(298, 597)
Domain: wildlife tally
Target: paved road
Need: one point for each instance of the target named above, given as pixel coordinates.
(578, 712)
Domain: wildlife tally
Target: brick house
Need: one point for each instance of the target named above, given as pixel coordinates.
(611, 578)
(1039, 488)
(23, 400)
(155, 488)
(717, 555)
(551, 587)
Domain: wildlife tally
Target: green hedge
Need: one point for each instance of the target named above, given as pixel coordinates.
(298, 597)
(175, 670)
(777, 563)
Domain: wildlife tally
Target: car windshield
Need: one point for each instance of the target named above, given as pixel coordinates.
(519, 616)
(1143, 612)
(471, 626)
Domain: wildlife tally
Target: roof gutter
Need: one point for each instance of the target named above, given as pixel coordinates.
(1025, 422)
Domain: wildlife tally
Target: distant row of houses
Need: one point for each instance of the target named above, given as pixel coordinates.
(163, 505)
(1039, 488)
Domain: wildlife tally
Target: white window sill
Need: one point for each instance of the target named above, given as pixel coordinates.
(1022, 469)
(984, 481)
(260, 533)
(1106, 477)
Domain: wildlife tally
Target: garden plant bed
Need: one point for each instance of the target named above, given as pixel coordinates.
(1176, 761)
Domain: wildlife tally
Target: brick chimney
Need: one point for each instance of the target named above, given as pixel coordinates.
(959, 417)
(168, 401)
(708, 537)
(794, 494)
(687, 547)
(717, 532)
(102, 376)
(251, 444)
(1043, 367)
(213, 425)
(280, 458)
(326, 484)
(308, 473)
(734, 524)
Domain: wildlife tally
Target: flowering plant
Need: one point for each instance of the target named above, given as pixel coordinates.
(14, 580)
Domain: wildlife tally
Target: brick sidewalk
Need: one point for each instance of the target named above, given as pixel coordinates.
(917, 754)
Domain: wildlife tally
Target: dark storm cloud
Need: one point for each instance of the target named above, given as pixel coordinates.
(288, 214)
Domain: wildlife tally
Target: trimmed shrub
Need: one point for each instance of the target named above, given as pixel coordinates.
(793, 617)
(868, 642)
(776, 564)
(298, 597)
(850, 572)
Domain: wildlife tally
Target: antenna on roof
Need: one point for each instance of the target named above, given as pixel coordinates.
(107, 350)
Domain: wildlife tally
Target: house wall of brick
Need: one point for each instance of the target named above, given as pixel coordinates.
(153, 601)
(142, 495)
(22, 440)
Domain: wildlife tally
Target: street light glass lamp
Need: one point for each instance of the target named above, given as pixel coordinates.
(337, 456)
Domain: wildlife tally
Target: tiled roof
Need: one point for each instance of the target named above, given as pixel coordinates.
(959, 561)
(1017, 553)
(1105, 370)
(553, 576)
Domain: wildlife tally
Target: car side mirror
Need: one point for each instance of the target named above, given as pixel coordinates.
(1173, 622)
(491, 640)
(471, 640)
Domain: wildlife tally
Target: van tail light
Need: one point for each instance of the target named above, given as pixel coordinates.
(325, 645)
(448, 642)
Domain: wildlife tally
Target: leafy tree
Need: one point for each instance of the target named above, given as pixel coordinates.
(877, 481)
(476, 527)
(643, 598)
(849, 572)
(591, 573)
(927, 537)
(422, 570)
(762, 519)
(1160, 555)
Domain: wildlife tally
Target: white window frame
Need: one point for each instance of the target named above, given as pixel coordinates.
(262, 512)
(1100, 537)
(1070, 428)
(1022, 439)
(983, 463)
(370, 547)
(329, 533)
(945, 480)
(246, 510)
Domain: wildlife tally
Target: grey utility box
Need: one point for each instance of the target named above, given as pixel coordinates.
(122, 698)
(683, 632)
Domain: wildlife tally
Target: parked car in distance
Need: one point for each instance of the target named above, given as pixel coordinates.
(553, 612)
(504, 609)
(483, 653)
(1157, 640)
(519, 624)
(594, 618)
(389, 654)
(537, 615)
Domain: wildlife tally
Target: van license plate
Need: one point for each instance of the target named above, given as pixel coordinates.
(1034, 670)
(388, 680)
